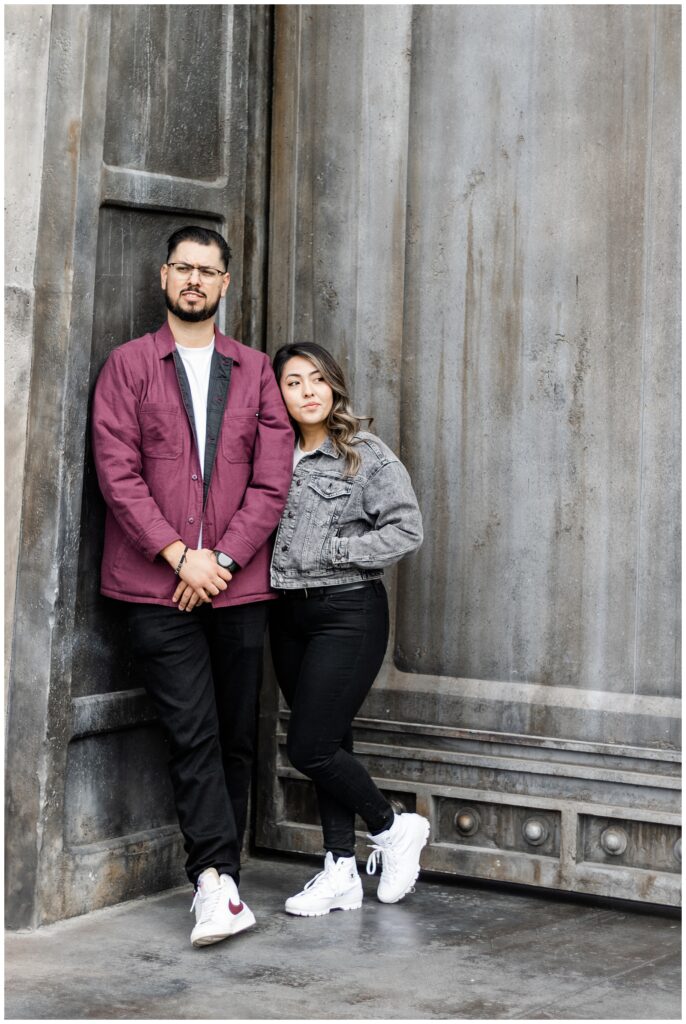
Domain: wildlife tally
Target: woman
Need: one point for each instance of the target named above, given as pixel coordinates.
(351, 512)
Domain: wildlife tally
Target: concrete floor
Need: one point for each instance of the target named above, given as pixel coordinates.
(451, 950)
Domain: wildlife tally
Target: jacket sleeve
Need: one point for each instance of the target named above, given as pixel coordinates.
(272, 469)
(390, 501)
(118, 461)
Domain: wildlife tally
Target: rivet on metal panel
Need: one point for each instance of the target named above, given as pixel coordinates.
(535, 831)
(467, 821)
(613, 841)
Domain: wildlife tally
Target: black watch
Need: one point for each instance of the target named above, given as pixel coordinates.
(226, 562)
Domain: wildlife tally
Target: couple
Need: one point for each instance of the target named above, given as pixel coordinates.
(193, 443)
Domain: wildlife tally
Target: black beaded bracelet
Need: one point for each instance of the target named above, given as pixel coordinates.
(181, 561)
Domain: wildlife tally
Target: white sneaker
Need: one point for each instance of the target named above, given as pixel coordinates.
(399, 848)
(219, 910)
(337, 887)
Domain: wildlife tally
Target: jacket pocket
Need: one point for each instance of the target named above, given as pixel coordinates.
(330, 488)
(239, 429)
(327, 498)
(160, 431)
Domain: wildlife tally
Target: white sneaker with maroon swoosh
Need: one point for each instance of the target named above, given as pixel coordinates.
(219, 910)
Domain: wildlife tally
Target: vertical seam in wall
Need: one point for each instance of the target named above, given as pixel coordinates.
(646, 306)
(294, 195)
(403, 286)
(361, 168)
(269, 120)
(408, 185)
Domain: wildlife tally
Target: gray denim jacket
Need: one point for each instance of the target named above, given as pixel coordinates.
(337, 529)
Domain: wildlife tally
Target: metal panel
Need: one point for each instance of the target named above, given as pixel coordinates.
(149, 114)
(508, 177)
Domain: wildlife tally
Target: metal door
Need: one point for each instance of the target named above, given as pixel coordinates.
(475, 208)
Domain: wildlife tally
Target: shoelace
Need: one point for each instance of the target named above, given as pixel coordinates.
(389, 863)
(209, 903)
(319, 879)
(378, 854)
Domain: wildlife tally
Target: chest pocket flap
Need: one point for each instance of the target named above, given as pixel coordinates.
(330, 487)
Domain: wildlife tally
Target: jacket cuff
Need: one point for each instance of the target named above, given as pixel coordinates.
(150, 544)
(238, 549)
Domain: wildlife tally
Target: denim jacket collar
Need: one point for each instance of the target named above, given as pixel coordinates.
(325, 448)
(328, 449)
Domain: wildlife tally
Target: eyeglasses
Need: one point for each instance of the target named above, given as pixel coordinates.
(207, 274)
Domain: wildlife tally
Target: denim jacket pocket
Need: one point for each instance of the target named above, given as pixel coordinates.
(327, 497)
(330, 488)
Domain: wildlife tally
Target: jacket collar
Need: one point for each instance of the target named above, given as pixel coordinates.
(327, 448)
(165, 343)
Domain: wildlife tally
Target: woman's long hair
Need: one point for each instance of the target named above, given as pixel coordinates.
(342, 423)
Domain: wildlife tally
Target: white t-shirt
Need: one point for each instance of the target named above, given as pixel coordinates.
(197, 363)
(299, 454)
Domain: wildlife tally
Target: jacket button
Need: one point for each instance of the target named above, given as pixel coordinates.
(191, 519)
(194, 477)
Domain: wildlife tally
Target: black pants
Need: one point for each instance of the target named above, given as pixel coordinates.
(327, 651)
(202, 671)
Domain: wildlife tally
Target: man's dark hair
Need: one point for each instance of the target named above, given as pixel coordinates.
(204, 236)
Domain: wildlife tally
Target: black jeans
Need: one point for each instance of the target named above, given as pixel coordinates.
(327, 651)
(202, 671)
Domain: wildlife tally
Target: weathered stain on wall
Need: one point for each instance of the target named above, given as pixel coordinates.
(27, 36)
(529, 315)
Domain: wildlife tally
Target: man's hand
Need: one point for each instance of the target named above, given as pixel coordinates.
(201, 578)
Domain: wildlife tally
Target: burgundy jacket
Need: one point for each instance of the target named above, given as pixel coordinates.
(149, 470)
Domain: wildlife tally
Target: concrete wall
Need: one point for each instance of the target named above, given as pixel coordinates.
(541, 328)
(476, 209)
(27, 37)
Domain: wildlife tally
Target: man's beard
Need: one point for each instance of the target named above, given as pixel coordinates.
(191, 316)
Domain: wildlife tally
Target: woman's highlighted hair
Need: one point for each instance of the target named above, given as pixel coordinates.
(342, 423)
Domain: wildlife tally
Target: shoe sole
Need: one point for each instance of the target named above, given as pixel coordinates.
(209, 940)
(323, 913)
(396, 899)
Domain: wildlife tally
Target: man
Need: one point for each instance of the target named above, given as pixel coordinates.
(193, 450)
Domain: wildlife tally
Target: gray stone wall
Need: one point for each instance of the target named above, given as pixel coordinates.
(27, 35)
